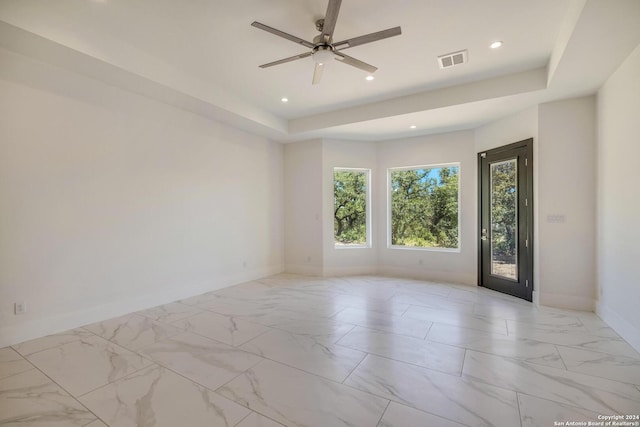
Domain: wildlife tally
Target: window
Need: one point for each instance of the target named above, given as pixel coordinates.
(350, 207)
(424, 207)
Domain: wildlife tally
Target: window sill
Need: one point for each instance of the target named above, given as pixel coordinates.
(340, 247)
(424, 249)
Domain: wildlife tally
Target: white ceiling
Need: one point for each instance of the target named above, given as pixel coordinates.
(203, 55)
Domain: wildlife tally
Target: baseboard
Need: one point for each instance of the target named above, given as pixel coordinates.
(570, 302)
(247, 275)
(20, 332)
(350, 271)
(625, 329)
(429, 274)
(305, 270)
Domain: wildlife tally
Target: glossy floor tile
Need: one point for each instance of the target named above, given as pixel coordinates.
(156, 396)
(12, 363)
(619, 368)
(170, 312)
(204, 361)
(326, 360)
(427, 300)
(463, 320)
(584, 391)
(296, 351)
(431, 355)
(56, 340)
(296, 398)
(132, 331)
(326, 331)
(228, 329)
(448, 396)
(256, 420)
(519, 348)
(84, 365)
(536, 412)
(384, 322)
(96, 423)
(398, 415)
(32, 399)
(568, 337)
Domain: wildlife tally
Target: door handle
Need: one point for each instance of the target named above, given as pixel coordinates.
(483, 235)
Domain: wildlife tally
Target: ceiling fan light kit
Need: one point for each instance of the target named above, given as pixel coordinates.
(322, 54)
(323, 49)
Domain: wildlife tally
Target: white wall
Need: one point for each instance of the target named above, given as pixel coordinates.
(309, 219)
(566, 187)
(564, 178)
(563, 135)
(619, 200)
(517, 127)
(111, 203)
(344, 261)
(456, 147)
(303, 207)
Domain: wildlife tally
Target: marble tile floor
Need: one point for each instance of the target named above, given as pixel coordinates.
(297, 351)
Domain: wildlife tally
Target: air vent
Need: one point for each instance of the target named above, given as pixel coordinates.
(452, 59)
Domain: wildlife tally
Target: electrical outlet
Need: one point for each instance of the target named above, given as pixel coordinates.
(556, 218)
(20, 307)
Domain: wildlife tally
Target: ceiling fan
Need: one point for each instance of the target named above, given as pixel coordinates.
(323, 49)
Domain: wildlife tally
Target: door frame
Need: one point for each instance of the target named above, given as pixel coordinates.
(526, 257)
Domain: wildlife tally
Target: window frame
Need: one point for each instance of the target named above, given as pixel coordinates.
(458, 249)
(368, 234)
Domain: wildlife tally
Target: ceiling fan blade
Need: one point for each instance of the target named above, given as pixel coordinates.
(330, 19)
(282, 34)
(349, 60)
(282, 61)
(357, 41)
(317, 74)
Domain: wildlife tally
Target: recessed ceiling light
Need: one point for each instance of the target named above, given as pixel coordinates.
(285, 100)
(413, 127)
(369, 78)
(495, 44)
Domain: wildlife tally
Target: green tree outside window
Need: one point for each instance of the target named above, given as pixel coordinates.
(350, 206)
(424, 207)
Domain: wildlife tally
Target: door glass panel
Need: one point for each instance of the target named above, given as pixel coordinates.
(504, 219)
